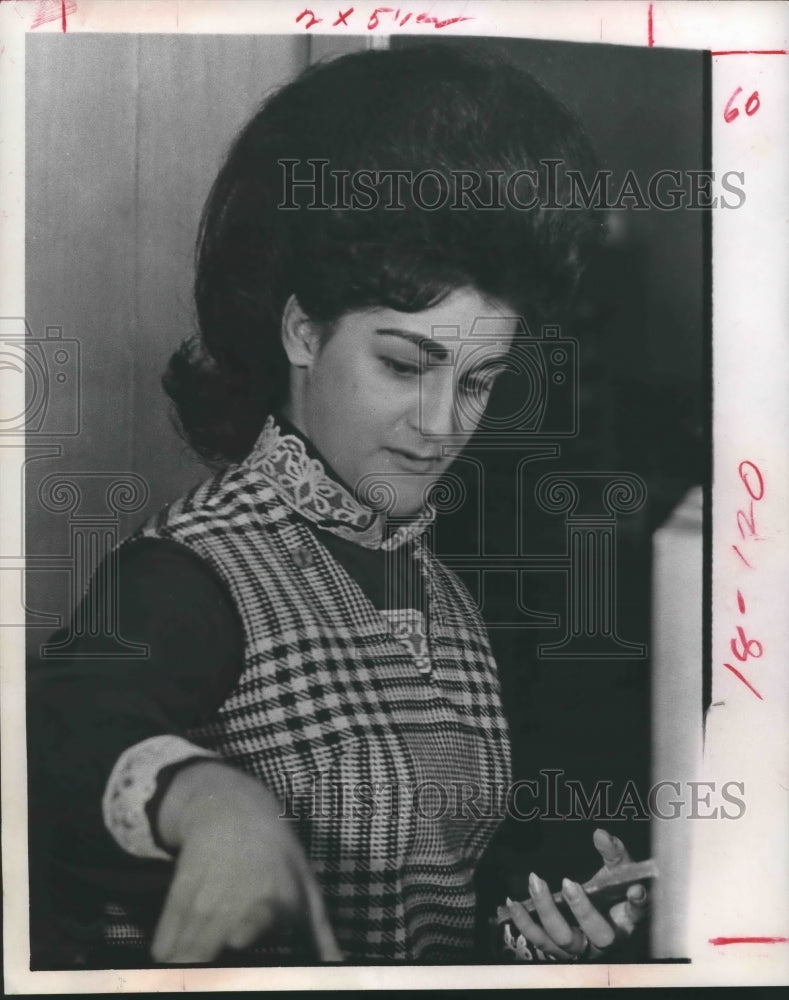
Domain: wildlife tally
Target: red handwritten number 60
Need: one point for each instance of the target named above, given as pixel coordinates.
(751, 106)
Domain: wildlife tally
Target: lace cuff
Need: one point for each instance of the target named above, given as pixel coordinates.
(133, 783)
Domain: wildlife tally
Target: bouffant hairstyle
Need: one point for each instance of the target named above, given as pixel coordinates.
(428, 108)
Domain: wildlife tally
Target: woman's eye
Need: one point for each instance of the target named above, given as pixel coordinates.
(404, 368)
(476, 387)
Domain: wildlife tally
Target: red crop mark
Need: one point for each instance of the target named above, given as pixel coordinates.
(53, 10)
(750, 52)
(650, 27)
(748, 940)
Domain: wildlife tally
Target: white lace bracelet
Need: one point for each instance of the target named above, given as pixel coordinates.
(132, 784)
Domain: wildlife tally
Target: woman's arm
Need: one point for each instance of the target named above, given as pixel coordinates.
(86, 711)
(240, 869)
(108, 731)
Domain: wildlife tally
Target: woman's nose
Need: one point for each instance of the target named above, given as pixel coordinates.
(438, 413)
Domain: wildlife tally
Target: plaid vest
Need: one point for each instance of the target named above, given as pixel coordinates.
(395, 776)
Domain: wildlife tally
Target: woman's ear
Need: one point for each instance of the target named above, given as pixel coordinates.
(301, 336)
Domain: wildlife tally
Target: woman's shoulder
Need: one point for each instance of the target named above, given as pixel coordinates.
(227, 497)
(156, 573)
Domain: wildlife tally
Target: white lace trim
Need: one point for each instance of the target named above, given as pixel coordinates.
(131, 785)
(305, 486)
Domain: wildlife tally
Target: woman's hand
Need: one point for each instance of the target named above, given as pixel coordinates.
(240, 870)
(595, 933)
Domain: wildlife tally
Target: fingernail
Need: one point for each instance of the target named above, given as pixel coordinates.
(606, 835)
(571, 889)
(536, 884)
(509, 902)
(639, 893)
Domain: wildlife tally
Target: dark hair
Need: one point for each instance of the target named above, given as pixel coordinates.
(431, 108)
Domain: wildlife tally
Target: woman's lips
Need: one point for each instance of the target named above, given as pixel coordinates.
(415, 462)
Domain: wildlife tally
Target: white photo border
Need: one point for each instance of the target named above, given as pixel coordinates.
(740, 870)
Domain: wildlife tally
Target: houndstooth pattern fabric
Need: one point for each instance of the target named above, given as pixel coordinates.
(395, 777)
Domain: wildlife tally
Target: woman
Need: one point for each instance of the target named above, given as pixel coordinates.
(273, 780)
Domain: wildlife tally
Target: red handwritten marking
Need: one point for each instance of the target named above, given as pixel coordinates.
(743, 654)
(750, 52)
(374, 20)
(742, 557)
(753, 481)
(750, 523)
(745, 681)
(313, 19)
(742, 472)
(342, 17)
(429, 19)
(52, 10)
(748, 940)
(752, 105)
(730, 113)
(650, 27)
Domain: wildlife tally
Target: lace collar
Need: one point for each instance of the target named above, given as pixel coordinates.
(291, 467)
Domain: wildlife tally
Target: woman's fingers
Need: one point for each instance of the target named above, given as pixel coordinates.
(208, 910)
(240, 871)
(533, 933)
(214, 915)
(202, 927)
(599, 931)
(176, 913)
(595, 932)
(555, 925)
(637, 904)
(634, 909)
(251, 927)
(611, 849)
(204, 915)
(326, 946)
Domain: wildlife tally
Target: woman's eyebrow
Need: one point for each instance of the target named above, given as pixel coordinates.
(425, 344)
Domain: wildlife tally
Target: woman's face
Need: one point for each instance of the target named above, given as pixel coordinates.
(390, 397)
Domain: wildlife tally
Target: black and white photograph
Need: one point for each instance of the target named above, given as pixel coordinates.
(368, 457)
